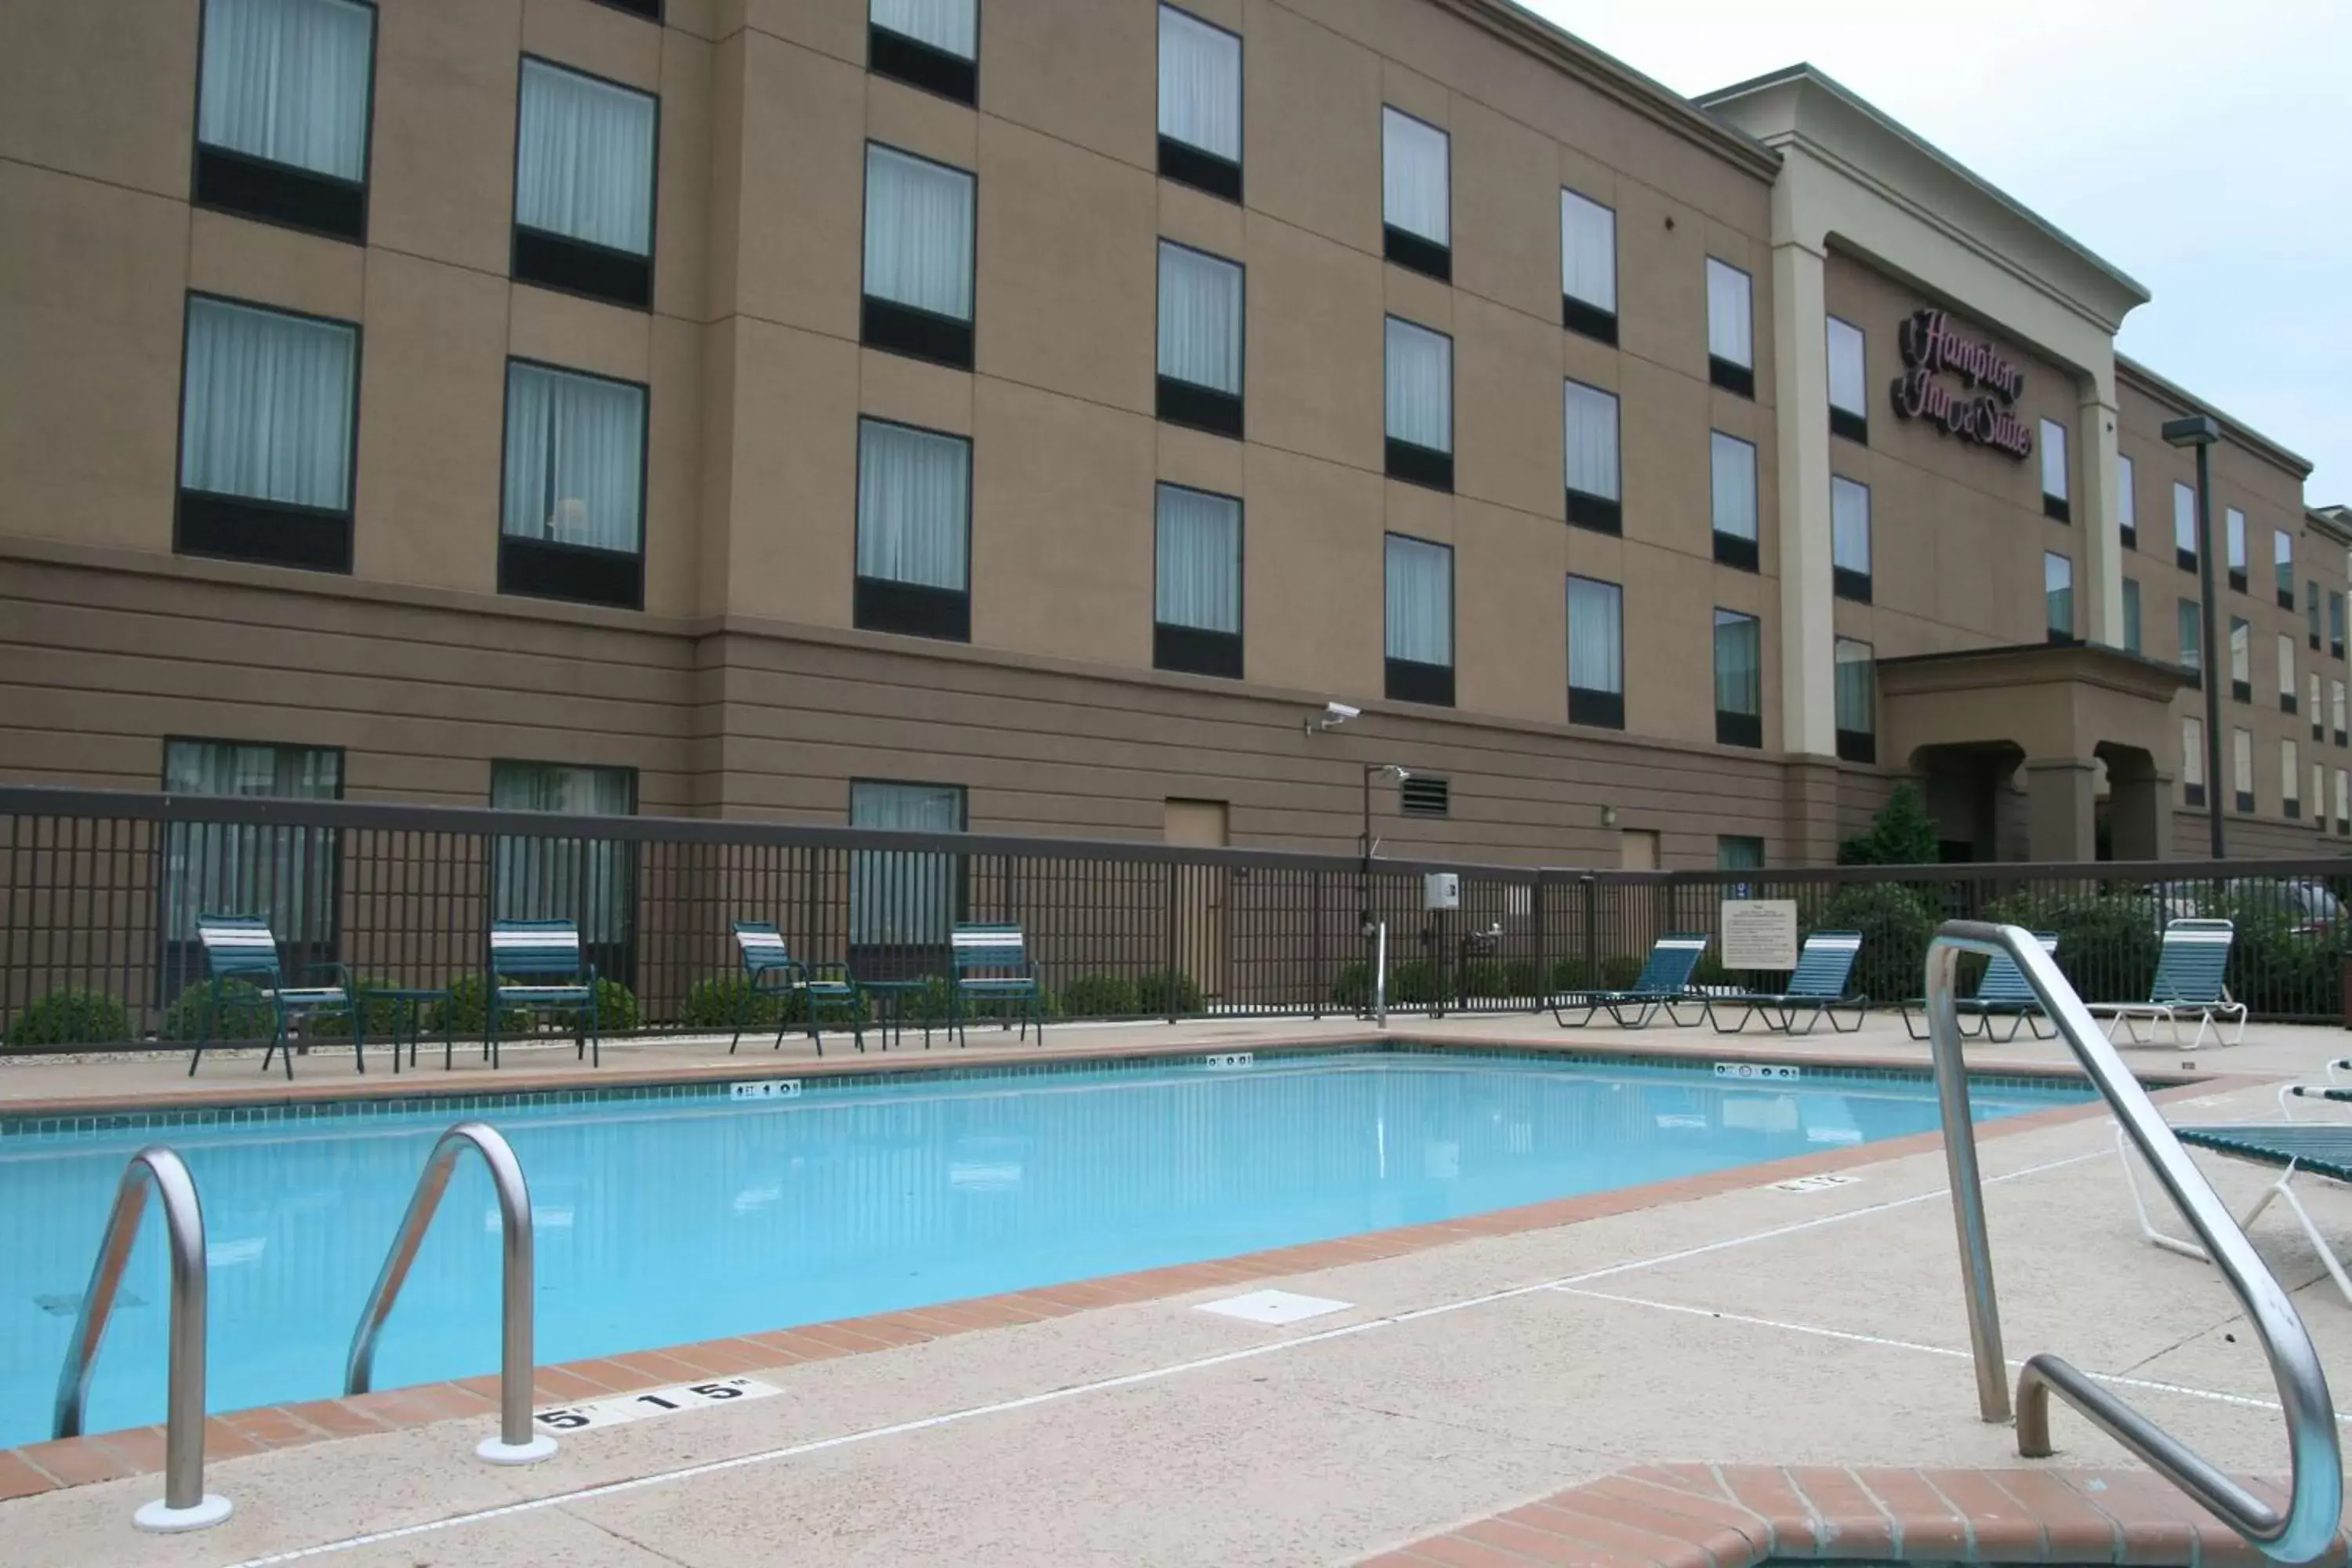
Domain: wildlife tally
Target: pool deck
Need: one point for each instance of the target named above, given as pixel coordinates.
(1528, 1364)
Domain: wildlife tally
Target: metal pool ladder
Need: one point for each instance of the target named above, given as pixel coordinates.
(185, 1505)
(2307, 1527)
(516, 1443)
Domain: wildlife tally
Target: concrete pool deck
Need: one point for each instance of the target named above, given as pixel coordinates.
(1473, 1371)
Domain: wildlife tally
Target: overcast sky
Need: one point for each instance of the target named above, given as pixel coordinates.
(2203, 148)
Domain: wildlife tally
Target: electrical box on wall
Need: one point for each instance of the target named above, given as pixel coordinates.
(1441, 890)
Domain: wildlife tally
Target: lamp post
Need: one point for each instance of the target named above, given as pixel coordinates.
(2200, 431)
(1395, 775)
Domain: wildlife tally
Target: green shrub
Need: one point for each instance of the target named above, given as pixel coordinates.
(1902, 834)
(2106, 944)
(467, 1012)
(1414, 983)
(2273, 966)
(1896, 926)
(1522, 977)
(1351, 985)
(1481, 977)
(712, 1004)
(1100, 996)
(1616, 973)
(378, 1019)
(70, 1017)
(245, 1013)
(1165, 993)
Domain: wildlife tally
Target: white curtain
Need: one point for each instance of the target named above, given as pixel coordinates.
(576, 459)
(903, 897)
(2286, 666)
(2343, 798)
(268, 406)
(2282, 561)
(1847, 374)
(1420, 600)
(2192, 634)
(288, 80)
(914, 505)
(951, 25)
(1857, 700)
(2234, 529)
(282, 874)
(2242, 761)
(1733, 465)
(1731, 328)
(2290, 771)
(1414, 191)
(1738, 664)
(2058, 589)
(2131, 617)
(1199, 85)
(582, 880)
(2184, 518)
(2336, 704)
(1200, 561)
(1596, 636)
(1592, 441)
(2192, 751)
(1420, 385)
(584, 160)
(2242, 653)
(1588, 251)
(2126, 501)
(2054, 460)
(917, 233)
(1200, 319)
(1850, 525)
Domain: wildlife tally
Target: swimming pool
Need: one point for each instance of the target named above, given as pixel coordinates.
(666, 1220)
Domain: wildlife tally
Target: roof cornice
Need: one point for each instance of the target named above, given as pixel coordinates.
(2188, 401)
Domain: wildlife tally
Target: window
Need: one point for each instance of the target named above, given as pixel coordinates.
(2126, 504)
(2343, 802)
(2184, 526)
(2282, 567)
(1849, 390)
(266, 429)
(1850, 539)
(2311, 612)
(1738, 852)
(1593, 500)
(2335, 710)
(2236, 521)
(1731, 329)
(1738, 679)
(2317, 709)
(1199, 104)
(914, 531)
(589, 880)
(1420, 405)
(1197, 597)
(919, 218)
(2335, 623)
(282, 112)
(583, 212)
(2192, 638)
(2242, 769)
(571, 512)
(2192, 762)
(1420, 621)
(904, 903)
(1596, 653)
(651, 10)
(2286, 673)
(930, 44)
(1425, 795)
(1588, 266)
(1200, 340)
(2241, 660)
(2290, 783)
(289, 877)
(1416, 195)
(2131, 617)
(2058, 595)
(1732, 468)
(2319, 797)
(2053, 471)
(1857, 702)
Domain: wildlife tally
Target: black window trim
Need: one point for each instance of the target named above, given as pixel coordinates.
(869, 303)
(1197, 167)
(638, 9)
(1734, 729)
(1422, 254)
(919, 49)
(516, 228)
(856, 579)
(1191, 406)
(1582, 316)
(1412, 453)
(1453, 631)
(1241, 586)
(199, 147)
(645, 463)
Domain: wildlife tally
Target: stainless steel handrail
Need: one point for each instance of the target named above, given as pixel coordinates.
(185, 1505)
(2309, 1526)
(516, 1443)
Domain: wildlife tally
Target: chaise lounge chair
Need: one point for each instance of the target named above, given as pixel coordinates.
(2188, 979)
(1816, 987)
(2002, 993)
(2322, 1149)
(1662, 985)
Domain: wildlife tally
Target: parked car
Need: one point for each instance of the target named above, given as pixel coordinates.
(2307, 905)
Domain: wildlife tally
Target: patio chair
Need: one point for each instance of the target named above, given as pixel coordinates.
(241, 948)
(992, 965)
(2002, 993)
(2188, 979)
(1817, 987)
(547, 951)
(769, 970)
(1662, 985)
(2323, 1149)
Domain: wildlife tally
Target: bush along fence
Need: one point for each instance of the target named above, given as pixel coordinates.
(100, 892)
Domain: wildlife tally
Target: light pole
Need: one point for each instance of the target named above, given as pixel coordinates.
(1395, 775)
(2200, 431)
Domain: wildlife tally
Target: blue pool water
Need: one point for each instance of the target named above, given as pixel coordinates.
(665, 1221)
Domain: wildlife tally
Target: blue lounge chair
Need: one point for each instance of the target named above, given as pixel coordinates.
(1817, 987)
(2188, 979)
(240, 947)
(992, 967)
(1662, 985)
(769, 970)
(2002, 993)
(2323, 1149)
(547, 951)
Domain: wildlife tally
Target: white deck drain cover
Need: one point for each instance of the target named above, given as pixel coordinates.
(1275, 1307)
(1820, 1184)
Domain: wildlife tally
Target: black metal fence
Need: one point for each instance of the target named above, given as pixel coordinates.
(100, 890)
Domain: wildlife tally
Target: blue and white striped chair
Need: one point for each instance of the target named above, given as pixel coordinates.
(770, 970)
(546, 952)
(992, 965)
(1817, 987)
(241, 948)
(2188, 979)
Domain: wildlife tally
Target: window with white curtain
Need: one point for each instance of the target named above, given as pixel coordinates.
(585, 159)
(2290, 778)
(2311, 696)
(1416, 190)
(2058, 595)
(268, 406)
(1199, 581)
(2319, 795)
(2283, 566)
(288, 82)
(1420, 372)
(1592, 447)
(1738, 679)
(1588, 265)
(914, 505)
(1850, 537)
(2131, 617)
(1738, 852)
(1730, 326)
(1856, 701)
(2054, 502)
(2192, 759)
(2191, 624)
(2241, 657)
(575, 459)
(919, 227)
(588, 880)
(2184, 523)
(1199, 87)
(285, 875)
(1731, 465)
(2343, 801)
(1200, 319)
(904, 898)
(1420, 601)
(1596, 652)
(950, 26)
(1849, 390)
(2126, 501)
(2234, 534)
(2286, 674)
(2335, 709)
(2242, 768)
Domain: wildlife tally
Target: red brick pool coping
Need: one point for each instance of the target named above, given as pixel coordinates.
(1738, 1516)
(60, 1463)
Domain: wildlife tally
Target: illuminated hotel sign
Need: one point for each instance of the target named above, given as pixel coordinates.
(1930, 344)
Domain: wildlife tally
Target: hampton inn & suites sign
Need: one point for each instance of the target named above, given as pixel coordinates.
(1931, 344)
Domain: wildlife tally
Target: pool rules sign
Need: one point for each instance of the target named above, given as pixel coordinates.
(1759, 933)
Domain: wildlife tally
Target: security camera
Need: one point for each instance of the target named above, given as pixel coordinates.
(1334, 715)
